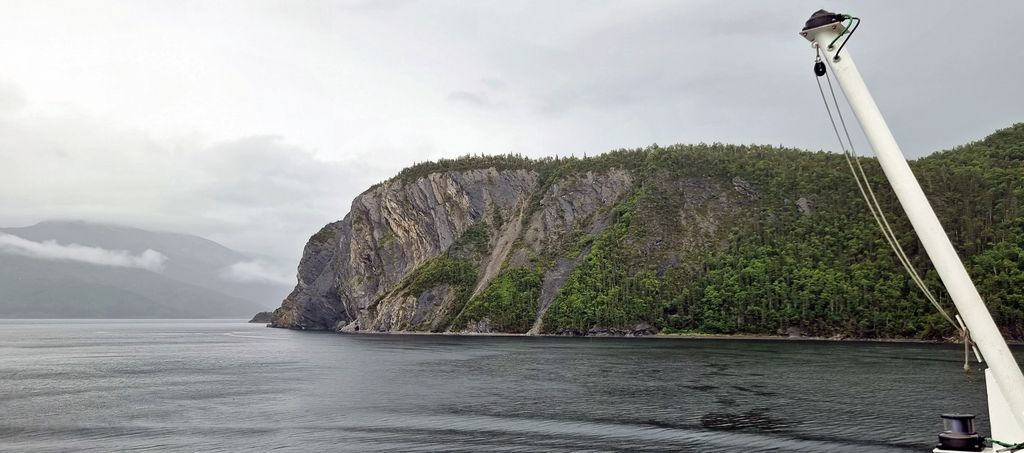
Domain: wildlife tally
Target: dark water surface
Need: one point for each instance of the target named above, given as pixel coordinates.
(231, 386)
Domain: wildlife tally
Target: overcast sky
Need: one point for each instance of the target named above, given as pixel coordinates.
(254, 123)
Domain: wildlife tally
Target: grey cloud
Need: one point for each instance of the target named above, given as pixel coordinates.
(257, 272)
(493, 84)
(263, 194)
(253, 194)
(374, 5)
(301, 106)
(150, 260)
(477, 99)
(700, 71)
(12, 99)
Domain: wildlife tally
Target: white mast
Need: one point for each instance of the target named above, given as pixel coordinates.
(1003, 369)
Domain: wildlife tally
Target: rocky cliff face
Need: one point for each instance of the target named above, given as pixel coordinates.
(390, 231)
(703, 238)
(387, 265)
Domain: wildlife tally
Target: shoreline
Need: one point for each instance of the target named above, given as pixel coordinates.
(663, 336)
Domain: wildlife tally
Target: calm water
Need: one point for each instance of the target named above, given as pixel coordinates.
(229, 386)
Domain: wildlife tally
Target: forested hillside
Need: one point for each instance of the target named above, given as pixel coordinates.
(685, 238)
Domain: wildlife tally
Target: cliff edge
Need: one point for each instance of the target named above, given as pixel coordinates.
(702, 238)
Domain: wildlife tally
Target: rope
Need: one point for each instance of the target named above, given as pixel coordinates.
(1009, 445)
(871, 200)
(875, 206)
(967, 351)
(846, 31)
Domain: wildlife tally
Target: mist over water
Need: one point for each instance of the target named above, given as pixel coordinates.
(226, 386)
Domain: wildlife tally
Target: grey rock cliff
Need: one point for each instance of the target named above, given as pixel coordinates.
(355, 274)
(390, 231)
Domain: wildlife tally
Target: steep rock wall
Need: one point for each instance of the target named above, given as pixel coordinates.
(375, 269)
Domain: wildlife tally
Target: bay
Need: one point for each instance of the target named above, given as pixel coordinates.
(188, 385)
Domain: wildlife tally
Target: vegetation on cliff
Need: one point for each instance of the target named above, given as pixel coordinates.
(827, 272)
(733, 239)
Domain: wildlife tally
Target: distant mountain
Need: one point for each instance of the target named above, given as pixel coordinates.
(71, 269)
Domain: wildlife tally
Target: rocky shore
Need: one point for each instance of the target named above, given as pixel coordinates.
(262, 317)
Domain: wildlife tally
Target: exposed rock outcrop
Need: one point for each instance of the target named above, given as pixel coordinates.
(391, 230)
(262, 317)
(374, 271)
(690, 238)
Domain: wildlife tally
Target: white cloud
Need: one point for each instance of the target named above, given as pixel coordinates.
(254, 123)
(149, 259)
(257, 194)
(257, 272)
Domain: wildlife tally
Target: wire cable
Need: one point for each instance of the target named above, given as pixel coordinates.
(1009, 445)
(846, 31)
(863, 185)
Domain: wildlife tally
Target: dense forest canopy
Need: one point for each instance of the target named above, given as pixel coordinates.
(822, 267)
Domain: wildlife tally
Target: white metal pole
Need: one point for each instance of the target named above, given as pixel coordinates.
(947, 263)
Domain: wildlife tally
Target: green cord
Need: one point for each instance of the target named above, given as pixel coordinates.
(850, 19)
(1013, 447)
